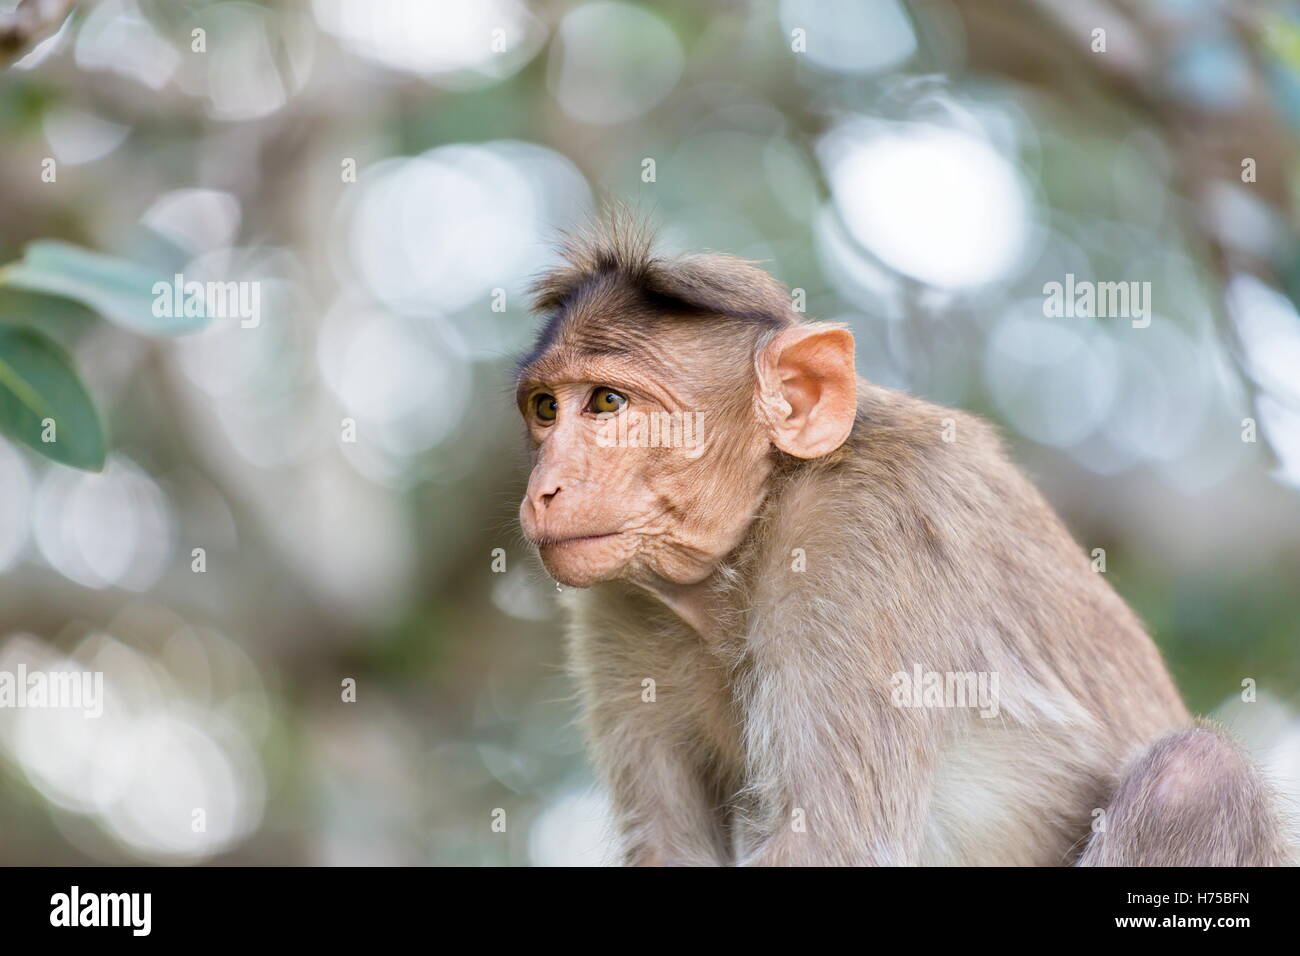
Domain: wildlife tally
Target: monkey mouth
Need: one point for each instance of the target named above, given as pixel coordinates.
(548, 542)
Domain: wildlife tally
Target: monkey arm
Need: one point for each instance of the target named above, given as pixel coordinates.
(666, 803)
(839, 775)
(666, 814)
(656, 722)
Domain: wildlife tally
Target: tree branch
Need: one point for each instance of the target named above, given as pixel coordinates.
(28, 25)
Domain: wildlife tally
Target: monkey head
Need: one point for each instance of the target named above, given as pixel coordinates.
(655, 404)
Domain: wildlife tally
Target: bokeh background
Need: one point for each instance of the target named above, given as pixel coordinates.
(919, 169)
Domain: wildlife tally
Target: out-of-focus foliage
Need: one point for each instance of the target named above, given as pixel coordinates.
(120, 291)
(42, 401)
(39, 392)
(326, 492)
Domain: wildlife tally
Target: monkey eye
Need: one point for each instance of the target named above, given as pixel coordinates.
(546, 407)
(605, 400)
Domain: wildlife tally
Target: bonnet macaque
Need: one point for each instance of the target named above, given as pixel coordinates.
(821, 622)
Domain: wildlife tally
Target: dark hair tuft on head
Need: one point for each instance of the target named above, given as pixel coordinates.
(620, 247)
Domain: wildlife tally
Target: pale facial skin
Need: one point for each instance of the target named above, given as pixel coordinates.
(663, 518)
(601, 511)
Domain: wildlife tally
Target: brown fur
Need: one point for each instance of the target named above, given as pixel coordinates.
(1191, 799)
(773, 706)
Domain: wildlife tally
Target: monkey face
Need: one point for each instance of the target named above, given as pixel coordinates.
(628, 481)
(654, 420)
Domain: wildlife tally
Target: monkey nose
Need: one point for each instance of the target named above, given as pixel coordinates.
(544, 495)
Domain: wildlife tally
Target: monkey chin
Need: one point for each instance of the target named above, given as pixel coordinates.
(582, 562)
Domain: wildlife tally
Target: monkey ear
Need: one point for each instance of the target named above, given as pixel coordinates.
(808, 389)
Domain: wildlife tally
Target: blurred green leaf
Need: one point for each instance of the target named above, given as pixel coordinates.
(117, 289)
(37, 382)
(63, 320)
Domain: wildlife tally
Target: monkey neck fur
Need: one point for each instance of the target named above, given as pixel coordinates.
(701, 606)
